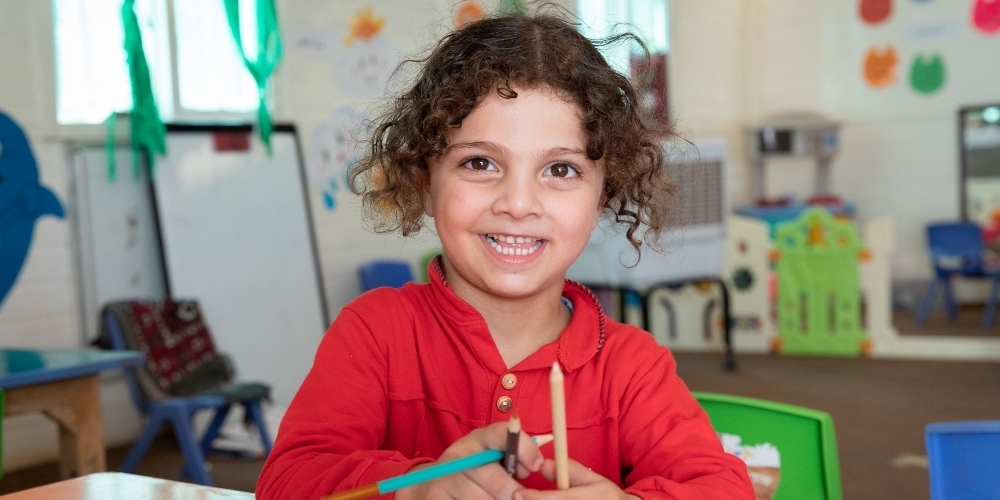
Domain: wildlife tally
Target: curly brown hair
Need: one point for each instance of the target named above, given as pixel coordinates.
(494, 55)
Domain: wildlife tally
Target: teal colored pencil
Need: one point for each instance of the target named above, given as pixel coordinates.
(419, 476)
(440, 470)
(423, 475)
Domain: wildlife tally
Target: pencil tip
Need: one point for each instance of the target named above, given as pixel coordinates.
(543, 440)
(514, 424)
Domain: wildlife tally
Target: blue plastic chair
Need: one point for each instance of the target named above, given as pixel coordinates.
(179, 412)
(963, 461)
(391, 273)
(957, 249)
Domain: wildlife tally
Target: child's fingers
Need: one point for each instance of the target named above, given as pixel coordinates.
(493, 479)
(493, 436)
(578, 474)
(529, 457)
(584, 484)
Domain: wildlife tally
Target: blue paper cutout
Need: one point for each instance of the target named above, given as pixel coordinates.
(22, 201)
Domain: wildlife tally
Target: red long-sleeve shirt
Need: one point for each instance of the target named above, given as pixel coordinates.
(404, 373)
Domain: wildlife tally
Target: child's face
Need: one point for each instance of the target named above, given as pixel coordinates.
(514, 197)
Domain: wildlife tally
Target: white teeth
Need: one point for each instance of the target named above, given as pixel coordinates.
(494, 241)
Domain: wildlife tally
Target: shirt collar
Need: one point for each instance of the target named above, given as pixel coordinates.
(582, 339)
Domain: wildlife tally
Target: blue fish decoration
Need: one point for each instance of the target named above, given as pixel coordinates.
(22, 201)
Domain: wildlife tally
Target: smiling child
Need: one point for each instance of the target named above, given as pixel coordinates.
(515, 139)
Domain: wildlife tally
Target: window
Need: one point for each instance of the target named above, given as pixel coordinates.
(196, 69)
(646, 18)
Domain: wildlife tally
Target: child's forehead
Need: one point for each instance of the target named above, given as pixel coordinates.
(512, 91)
(535, 118)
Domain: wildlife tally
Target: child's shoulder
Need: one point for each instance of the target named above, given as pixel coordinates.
(632, 339)
(386, 303)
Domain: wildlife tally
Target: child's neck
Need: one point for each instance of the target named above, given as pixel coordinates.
(519, 326)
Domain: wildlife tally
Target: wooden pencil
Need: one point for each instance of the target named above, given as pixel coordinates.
(430, 473)
(556, 382)
(513, 438)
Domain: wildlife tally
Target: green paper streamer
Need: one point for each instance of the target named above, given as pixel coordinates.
(269, 53)
(148, 131)
(110, 145)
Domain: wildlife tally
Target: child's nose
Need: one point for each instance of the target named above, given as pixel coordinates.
(519, 197)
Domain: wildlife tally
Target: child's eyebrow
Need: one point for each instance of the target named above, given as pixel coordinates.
(488, 146)
(501, 150)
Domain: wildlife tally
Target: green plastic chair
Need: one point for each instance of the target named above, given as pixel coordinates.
(425, 261)
(804, 438)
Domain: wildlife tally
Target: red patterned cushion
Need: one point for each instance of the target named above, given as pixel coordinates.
(175, 339)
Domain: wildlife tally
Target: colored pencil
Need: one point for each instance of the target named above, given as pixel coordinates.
(513, 437)
(429, 474)
(556, 382)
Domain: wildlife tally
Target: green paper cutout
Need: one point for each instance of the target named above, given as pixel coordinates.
(148, 131)
(508, 7)
(927, 75)
(269, 53)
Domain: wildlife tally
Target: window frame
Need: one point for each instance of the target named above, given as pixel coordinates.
(166, 90)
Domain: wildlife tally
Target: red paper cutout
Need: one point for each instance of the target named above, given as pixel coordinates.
(986, 16)
(874, 11)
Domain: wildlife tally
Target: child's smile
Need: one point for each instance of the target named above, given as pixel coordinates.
(514, 196)
(514, 245)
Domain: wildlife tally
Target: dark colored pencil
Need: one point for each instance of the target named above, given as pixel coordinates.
(513, 436)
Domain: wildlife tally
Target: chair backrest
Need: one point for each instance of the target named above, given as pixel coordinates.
(790, 451)
(181, 359)
(955, 247)
(391, 273)
(962, 459)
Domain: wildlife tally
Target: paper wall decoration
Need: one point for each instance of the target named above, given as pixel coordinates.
(364, 68)
(986, 16)
(510, 6)
(874, 11)
(468, 12)
(337, 144)
(927, 75)
(22, 201)
(881, 66)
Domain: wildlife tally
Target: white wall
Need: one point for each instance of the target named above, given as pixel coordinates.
(43, 309)
(735, 62)
(732, 62)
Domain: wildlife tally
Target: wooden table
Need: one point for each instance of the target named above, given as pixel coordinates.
(121, 486)
(63, 384)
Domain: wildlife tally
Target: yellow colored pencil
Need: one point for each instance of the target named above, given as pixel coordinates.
(556, 383)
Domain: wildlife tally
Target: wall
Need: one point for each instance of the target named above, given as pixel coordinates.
(899, 148)
(732, 62)
(43, 309)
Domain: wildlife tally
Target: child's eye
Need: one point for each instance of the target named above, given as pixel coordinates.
(479, 164)
(563, 170)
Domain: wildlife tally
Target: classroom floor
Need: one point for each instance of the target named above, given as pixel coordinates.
(879, 408)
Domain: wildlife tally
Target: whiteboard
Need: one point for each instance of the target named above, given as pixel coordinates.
(237, 236)
(116, 232)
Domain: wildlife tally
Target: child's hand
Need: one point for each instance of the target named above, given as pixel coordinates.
(583, 483)
(489, 481)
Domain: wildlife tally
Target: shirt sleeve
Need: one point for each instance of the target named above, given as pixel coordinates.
(669, 448)
(330, 436)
